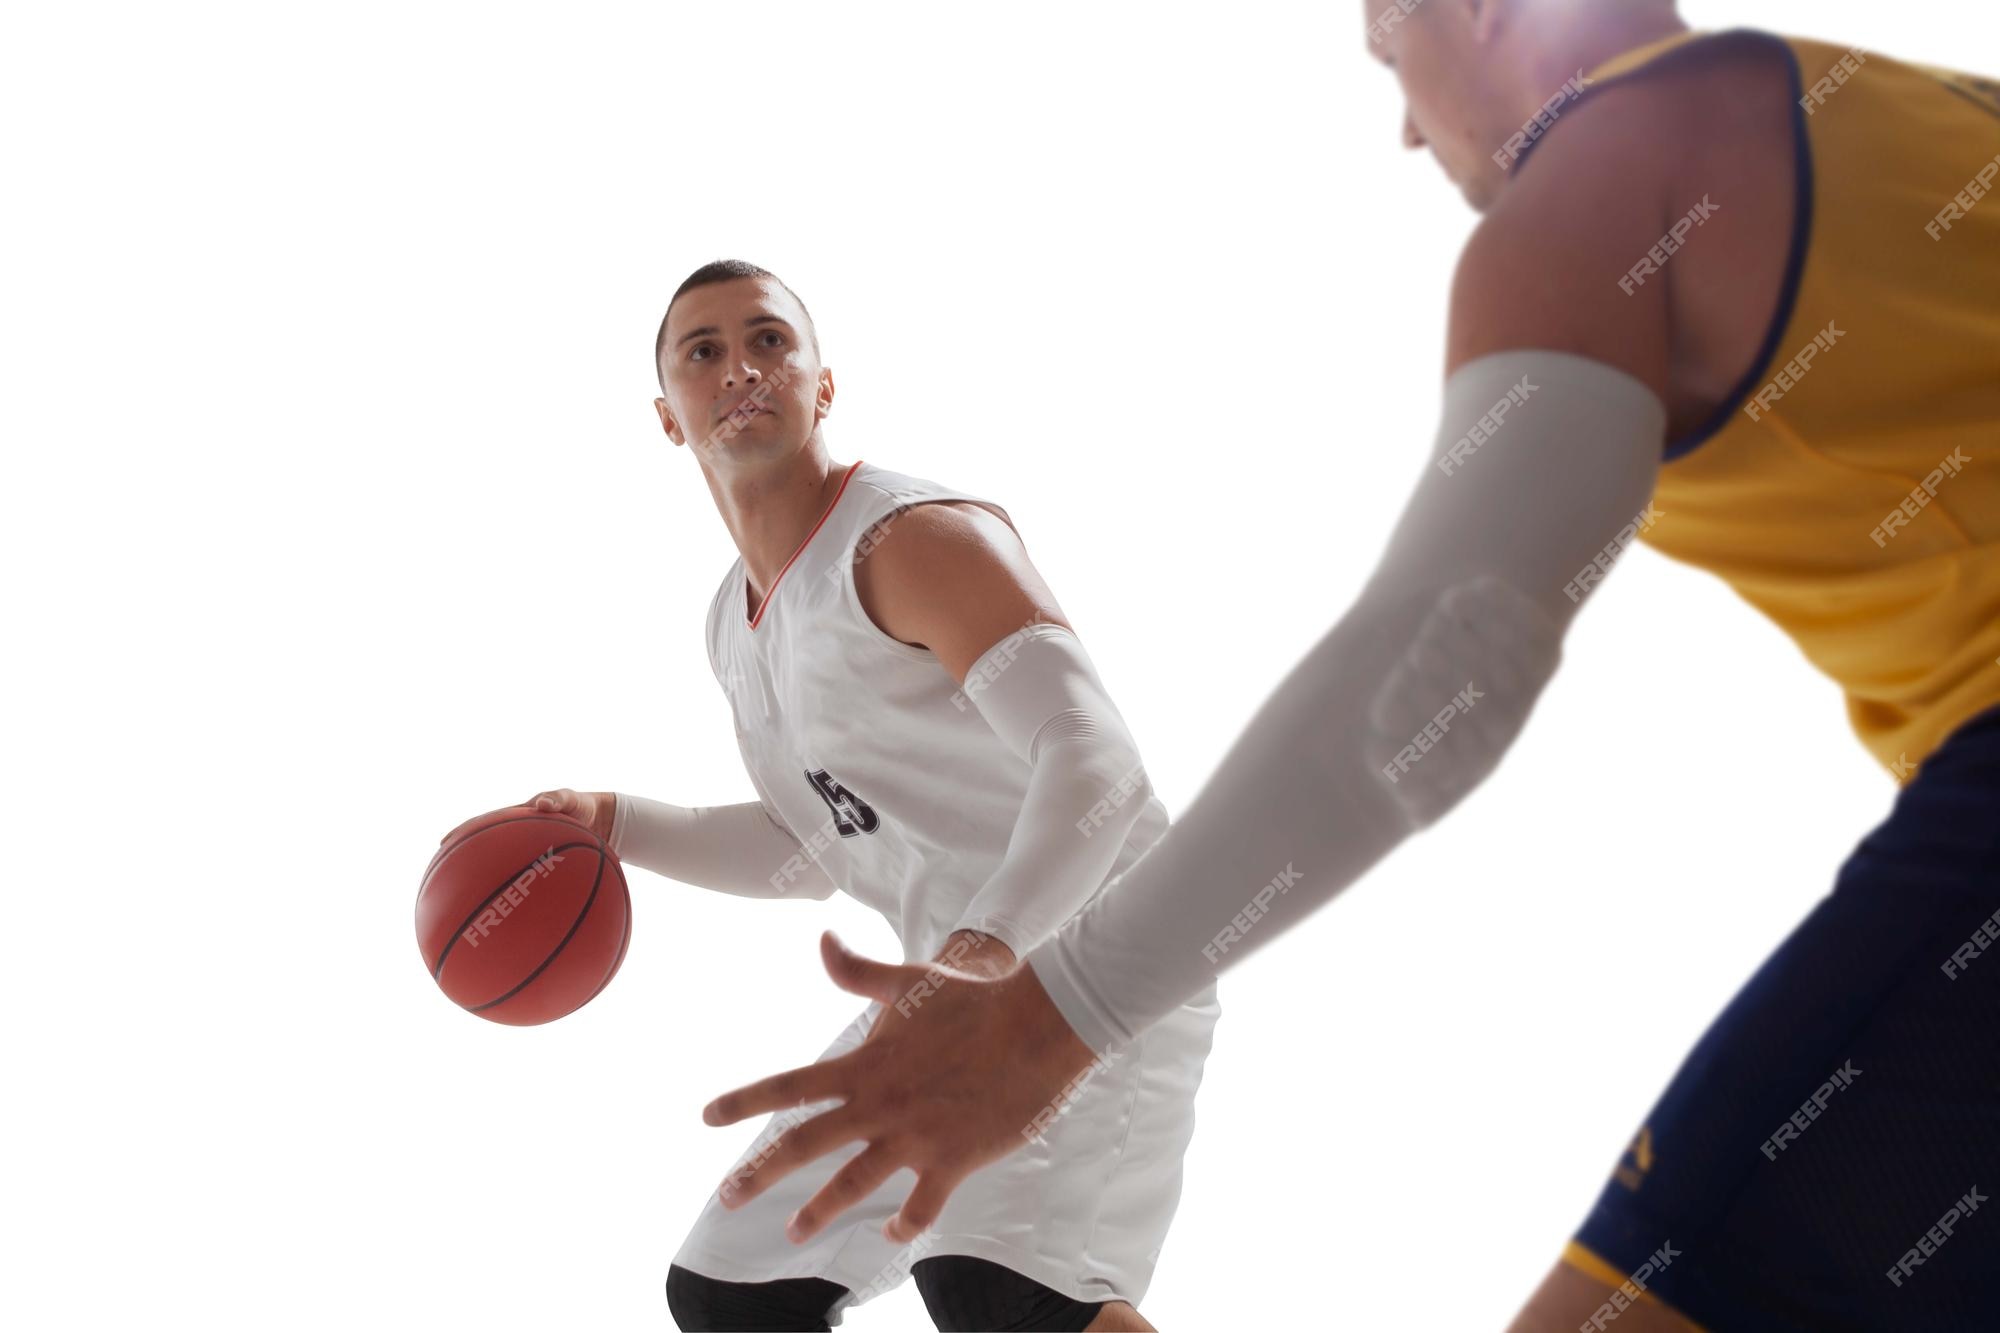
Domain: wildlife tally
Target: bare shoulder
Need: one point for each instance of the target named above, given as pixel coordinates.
(952, 577)
(1542, 269)
(944, 526)
(1552, 264)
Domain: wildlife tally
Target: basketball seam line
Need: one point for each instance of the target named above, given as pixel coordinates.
(576, 925)
(487, 901)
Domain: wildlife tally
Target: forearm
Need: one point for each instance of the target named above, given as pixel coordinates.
(1398, 712)
(1290, 817)
(1081, 803)
(1086, 787)
(735, 849)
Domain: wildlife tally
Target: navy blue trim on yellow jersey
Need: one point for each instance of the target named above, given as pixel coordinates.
(1991, 107)
(1795, 263)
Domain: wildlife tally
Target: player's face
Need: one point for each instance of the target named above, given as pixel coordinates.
(1452, 103)
(740, 373)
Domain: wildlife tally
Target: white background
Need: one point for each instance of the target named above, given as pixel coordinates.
(337, 511)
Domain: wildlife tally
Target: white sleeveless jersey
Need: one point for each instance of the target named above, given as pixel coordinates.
(867, 751)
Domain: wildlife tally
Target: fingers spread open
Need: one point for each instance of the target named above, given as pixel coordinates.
(926, 1201)
(794, 1087)
(864, 976)
(804, 1142)
(849, 1186)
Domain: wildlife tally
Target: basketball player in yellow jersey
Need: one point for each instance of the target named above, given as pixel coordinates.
(1737, 296)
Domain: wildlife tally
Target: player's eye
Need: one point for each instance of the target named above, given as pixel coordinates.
(694, 353)
(773, 333)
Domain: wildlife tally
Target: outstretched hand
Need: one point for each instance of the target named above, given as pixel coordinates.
(959, 1071)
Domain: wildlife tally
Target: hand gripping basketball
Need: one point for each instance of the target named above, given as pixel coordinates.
(523, 915)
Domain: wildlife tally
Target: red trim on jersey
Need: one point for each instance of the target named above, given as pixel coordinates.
(766, 603)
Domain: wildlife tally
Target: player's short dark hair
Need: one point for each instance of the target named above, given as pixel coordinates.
(720, 270)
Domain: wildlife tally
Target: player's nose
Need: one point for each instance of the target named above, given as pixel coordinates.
(1412, 136)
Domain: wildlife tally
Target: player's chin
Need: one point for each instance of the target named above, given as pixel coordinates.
(1479, 192)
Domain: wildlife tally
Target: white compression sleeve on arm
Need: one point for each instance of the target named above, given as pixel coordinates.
(1039, 692)
(737, 849)
(1542, 473)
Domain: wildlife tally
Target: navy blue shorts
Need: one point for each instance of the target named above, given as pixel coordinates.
(1823, 1160)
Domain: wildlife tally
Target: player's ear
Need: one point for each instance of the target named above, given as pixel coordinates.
(667, 422)
(823, 400)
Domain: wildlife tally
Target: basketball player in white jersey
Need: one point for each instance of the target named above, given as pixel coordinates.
(925, 733)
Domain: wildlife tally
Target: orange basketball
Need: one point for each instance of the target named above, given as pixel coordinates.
(523, 916)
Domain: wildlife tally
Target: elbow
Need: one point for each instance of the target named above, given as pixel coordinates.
(1459, 695)
(1112, 789)
(1453, 753)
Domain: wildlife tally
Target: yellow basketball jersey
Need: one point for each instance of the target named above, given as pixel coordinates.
(1850, 489)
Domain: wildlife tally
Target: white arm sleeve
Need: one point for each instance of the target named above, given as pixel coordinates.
(1039, 692)
(1543, 472)
(737, 849)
